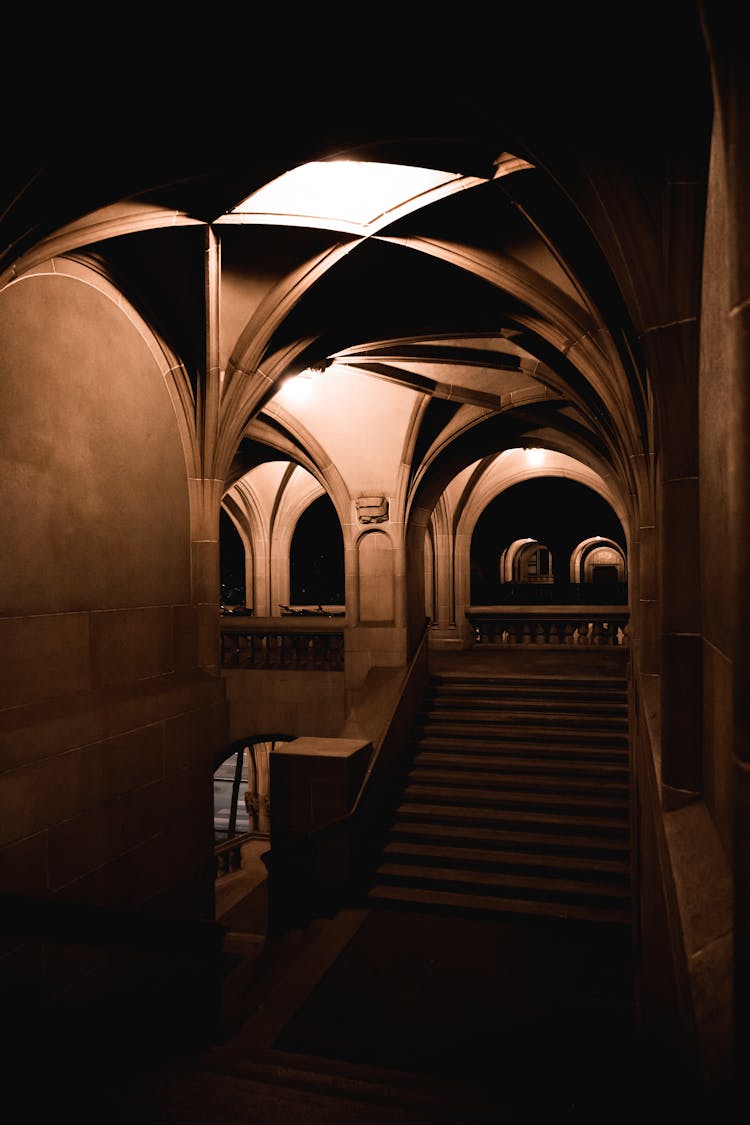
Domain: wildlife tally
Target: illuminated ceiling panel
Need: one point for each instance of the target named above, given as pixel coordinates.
(349, 195)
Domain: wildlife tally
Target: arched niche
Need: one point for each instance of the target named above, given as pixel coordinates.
(377, 602)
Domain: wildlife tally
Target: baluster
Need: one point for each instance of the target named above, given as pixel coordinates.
(319, 650)
(512, 632)
(525, 633)
(568, 632)
(337, 647)
(539, 636)
(599, 633)
(583, 637)
(553, 636)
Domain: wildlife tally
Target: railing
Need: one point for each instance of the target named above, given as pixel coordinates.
(256, 797)
(309, 877)
(553, 626)
(302, 644)
(228, 854)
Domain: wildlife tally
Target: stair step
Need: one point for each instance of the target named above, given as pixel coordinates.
(502, 763)
(475, 881)
(418, 897)
(478, 710)
(515, 731)
(365, 1090)
(496, 798)
(508, 711)
(458, 814)
(520, 780)
(545, 842)
(533, 682)
(500, 695)
(452, 743)
(226, 1097)
(589, 690)
(446, 854)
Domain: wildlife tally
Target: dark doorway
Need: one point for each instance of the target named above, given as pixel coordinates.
(604, 574)
(316, 557)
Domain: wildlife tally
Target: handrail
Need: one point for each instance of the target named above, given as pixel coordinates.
(303, 846)
(324, 830)
(26, 917)
(240, 743)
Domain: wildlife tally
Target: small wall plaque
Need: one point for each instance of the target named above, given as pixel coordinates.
(372, 509)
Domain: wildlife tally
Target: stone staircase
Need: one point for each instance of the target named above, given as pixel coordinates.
(516, 798)
(513, 804)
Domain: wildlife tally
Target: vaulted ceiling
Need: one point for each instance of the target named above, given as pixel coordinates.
(511, 310)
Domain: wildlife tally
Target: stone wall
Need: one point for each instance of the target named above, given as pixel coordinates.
(108, 726)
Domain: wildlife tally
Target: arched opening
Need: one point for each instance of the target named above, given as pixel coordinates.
(533, 540)
(231, 565)
(242, 797)
(599, 567)
(316, 557)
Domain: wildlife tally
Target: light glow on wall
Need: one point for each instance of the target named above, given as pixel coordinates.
(535, 457)
(298, 389)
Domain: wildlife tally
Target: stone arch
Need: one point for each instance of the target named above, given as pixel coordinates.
(585, 556)
(516, 562)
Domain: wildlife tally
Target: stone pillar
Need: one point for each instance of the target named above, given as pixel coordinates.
(672, 352)
(314, 783)
(205, 505)
(730, 199)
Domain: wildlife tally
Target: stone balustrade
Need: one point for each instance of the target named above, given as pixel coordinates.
(553, 626)
(307, 644)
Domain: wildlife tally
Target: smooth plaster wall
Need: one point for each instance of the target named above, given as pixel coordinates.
(108, 727)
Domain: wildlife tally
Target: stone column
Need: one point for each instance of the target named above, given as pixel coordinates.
(672, 354)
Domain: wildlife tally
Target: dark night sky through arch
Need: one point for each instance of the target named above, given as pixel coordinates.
(556, 511)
